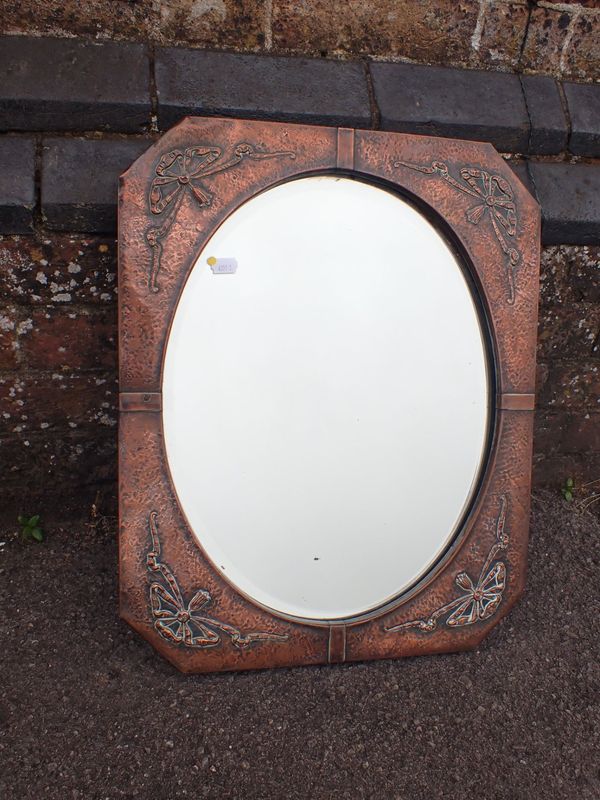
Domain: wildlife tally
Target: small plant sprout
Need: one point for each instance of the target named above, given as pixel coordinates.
(568, 490)
(31, 528)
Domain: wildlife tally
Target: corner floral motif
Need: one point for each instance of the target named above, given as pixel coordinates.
(480, 600)
(181, 172)
(494, 198)
(189, 624)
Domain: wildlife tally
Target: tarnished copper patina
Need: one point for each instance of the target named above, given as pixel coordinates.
(171, 201)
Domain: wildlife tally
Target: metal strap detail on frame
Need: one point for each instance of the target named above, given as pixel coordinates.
(140, 401)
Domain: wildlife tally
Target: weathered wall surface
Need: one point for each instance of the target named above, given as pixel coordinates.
(567, 420)
(560, 38)
(58, 374)
(74, 116)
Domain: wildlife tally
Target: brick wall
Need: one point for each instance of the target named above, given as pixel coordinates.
(58, 371)
(557, 38)
(64, 141)
(567, 420)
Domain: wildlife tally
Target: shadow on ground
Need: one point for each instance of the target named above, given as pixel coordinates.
(88, 710)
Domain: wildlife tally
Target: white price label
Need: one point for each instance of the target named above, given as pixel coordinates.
(222, 266)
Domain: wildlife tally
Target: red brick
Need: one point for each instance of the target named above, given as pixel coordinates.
(567, 432)
(584, 272)
(563, 41)
(582, 57)
(570, 331)
(78, 339)
(59, 271)
(546, 36)
(569, 386)
(570, 274)
(555, 286)
(94, 18)
(58, 402)
(43, 474)
(502, 35)
(237, 24)
(9, 346)
(439, 31)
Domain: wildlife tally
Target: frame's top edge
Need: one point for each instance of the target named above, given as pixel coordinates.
(177, 133)
(489, 214)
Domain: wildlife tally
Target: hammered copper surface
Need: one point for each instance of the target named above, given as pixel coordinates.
(171, 201)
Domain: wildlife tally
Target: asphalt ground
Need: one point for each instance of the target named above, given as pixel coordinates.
(88, 710)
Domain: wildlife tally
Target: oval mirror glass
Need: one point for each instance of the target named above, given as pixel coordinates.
(325, 397)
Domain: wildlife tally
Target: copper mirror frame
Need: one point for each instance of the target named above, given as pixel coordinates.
(492, 222)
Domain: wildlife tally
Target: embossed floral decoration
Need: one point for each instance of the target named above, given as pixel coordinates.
(494, 199)
(181, 172)
(189, 623)
(480, 600)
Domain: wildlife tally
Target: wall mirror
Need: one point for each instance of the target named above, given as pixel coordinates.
(327, 353)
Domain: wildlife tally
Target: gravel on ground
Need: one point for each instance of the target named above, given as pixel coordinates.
(88, 710)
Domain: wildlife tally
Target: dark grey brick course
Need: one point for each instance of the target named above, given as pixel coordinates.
(266, 87)
(80, 181)
(58, 84)
(520, 169)
(584, 108)
(17, 186)
(66, 85)
(549, 126)
(570, 198)
(468, 104)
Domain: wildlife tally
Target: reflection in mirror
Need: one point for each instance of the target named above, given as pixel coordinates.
(325, 397)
